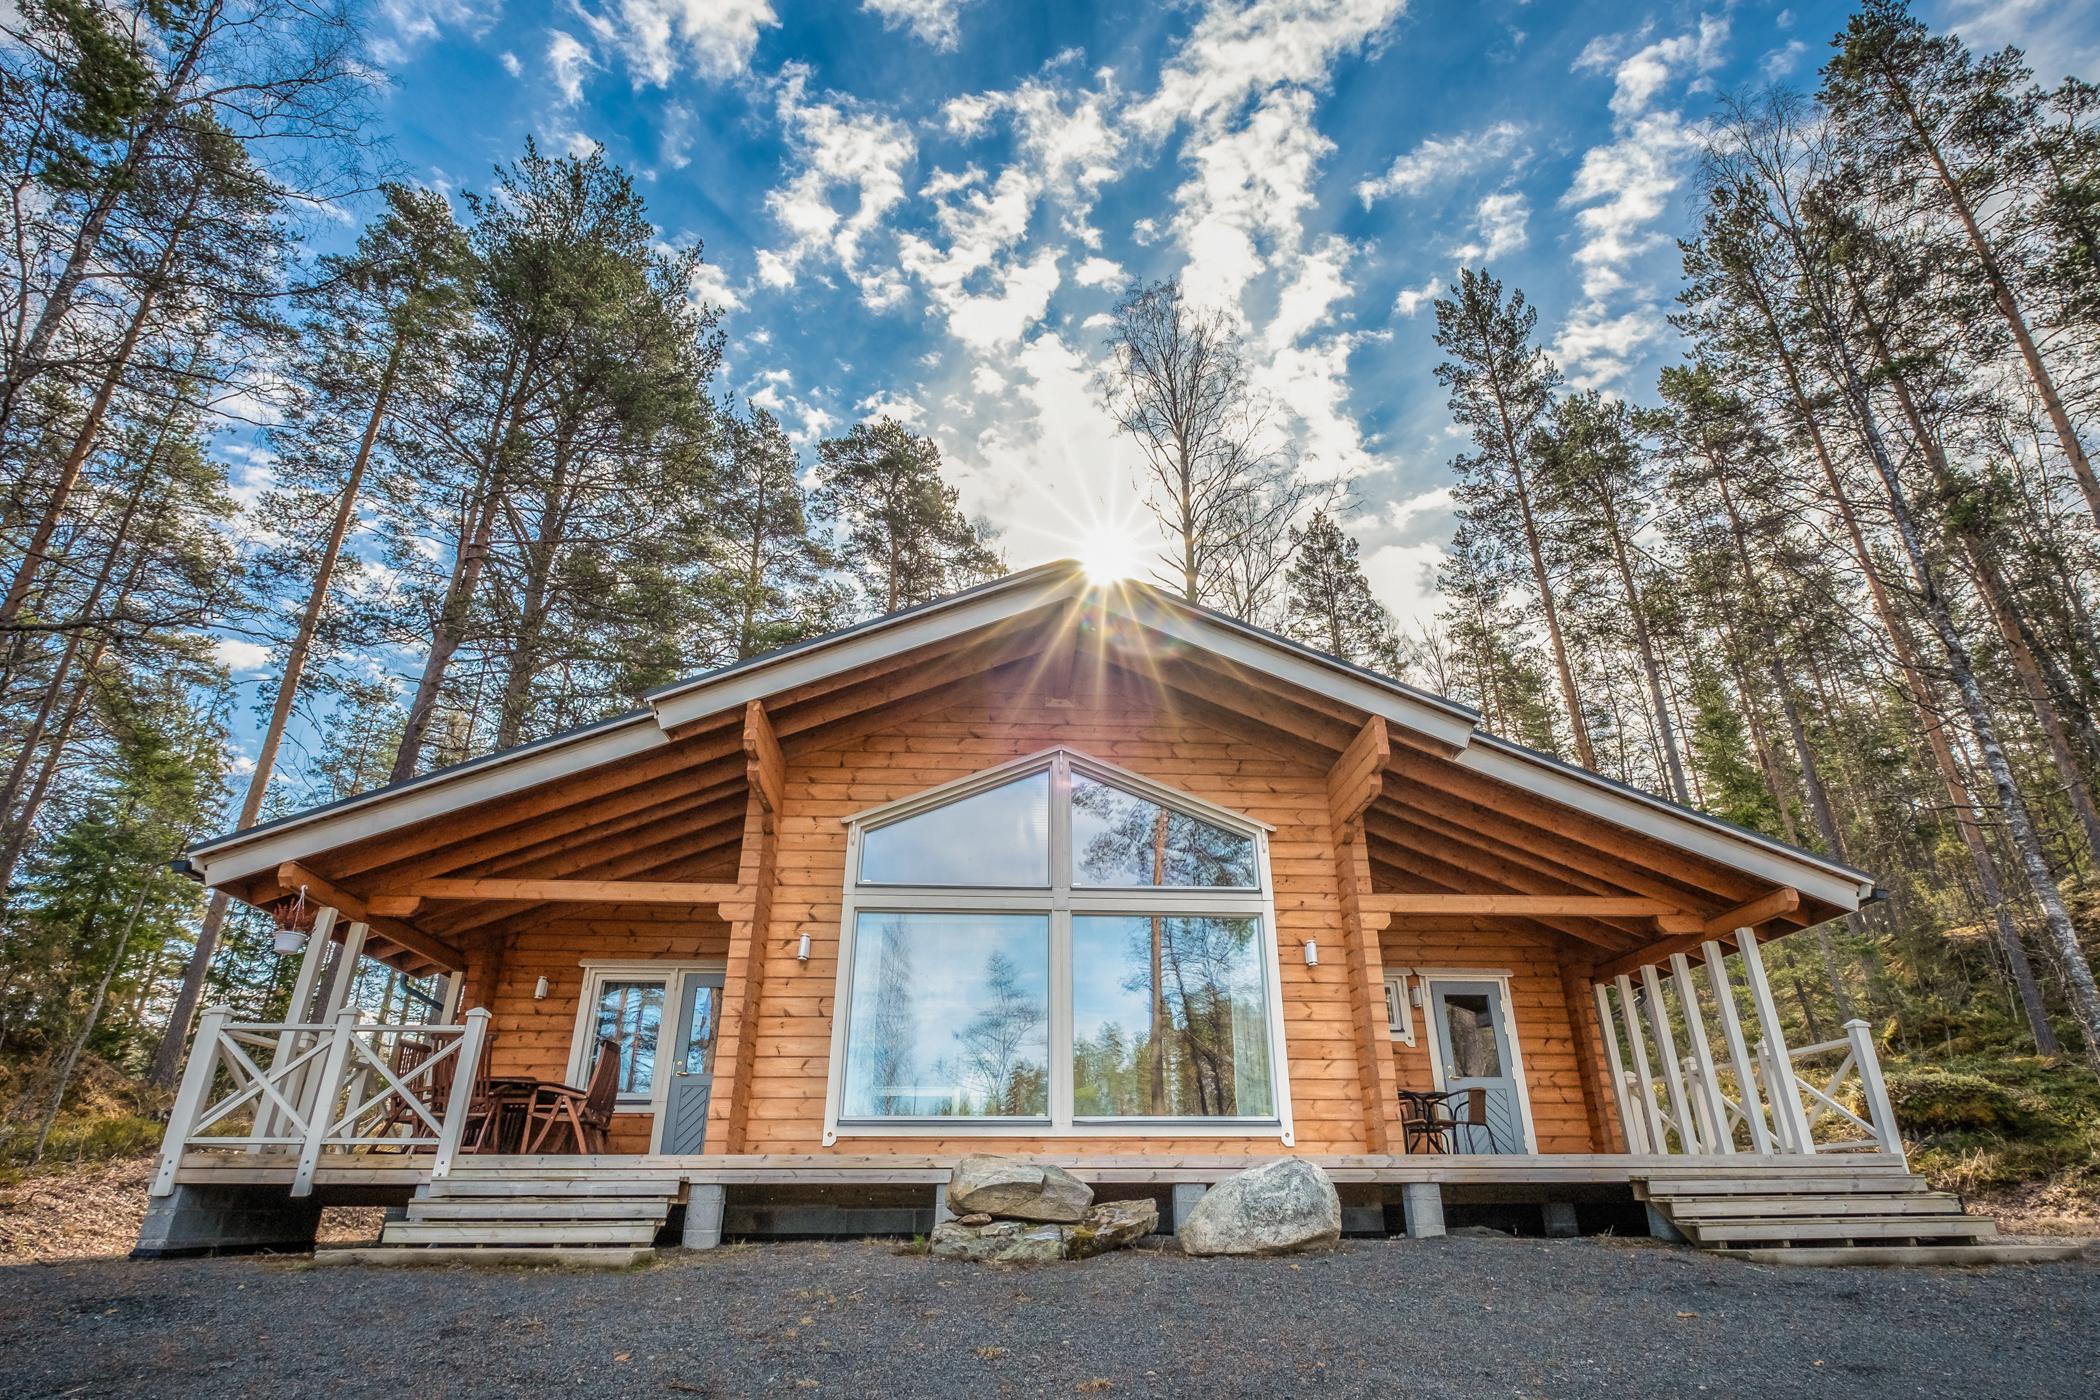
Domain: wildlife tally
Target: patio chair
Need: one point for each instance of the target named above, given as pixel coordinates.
(1426, 1123)
(1472, 1119)
(583, 1115)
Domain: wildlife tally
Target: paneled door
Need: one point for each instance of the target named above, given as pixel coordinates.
(1475, 1051)
(682, 1122)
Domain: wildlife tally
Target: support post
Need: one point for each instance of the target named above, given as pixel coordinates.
(703, 1216)
(1673, 1074)
(1746, 1082)
(1353, 784)
(1658, 1143)
(1721, 1135)
(750, 917)
(1186, 1194)
(320, 1113)
(1875, 1088)
(1786, 1095)
(464, 1072)
(1608, 1032)
(197, 1078)
(1559, 1220)
(941, 1212)
(298, 1007)
(1423, 1204)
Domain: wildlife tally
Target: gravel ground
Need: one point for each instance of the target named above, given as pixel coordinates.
(1454, 1317)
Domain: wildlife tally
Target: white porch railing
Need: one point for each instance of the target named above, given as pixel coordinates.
(1761, 1097)
(282, 1088)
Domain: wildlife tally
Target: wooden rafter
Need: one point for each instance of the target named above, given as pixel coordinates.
(291, 875)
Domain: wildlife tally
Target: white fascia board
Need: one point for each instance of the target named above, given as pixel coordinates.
(246, 853)
(1672, 825)
(916, 629)
(1448, 724)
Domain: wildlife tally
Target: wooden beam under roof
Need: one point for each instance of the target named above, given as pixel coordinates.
(1532, 906)
(291, 875)
(565, 891)
(1748, 915)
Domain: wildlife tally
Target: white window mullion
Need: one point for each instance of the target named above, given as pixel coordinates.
(1061, 1020)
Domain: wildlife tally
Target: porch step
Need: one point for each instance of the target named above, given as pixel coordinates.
(504, 1215)
(576, 1256)
(1877, 1210)
(1971, 1255)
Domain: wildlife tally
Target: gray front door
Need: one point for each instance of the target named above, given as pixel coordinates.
(692, 1065)
(1475, 1048)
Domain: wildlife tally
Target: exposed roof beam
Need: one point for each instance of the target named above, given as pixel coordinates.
(291, 875)
(568, 891)
(1591, 906)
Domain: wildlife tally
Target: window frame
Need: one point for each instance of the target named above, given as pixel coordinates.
(1060, 901)
(583, 1039)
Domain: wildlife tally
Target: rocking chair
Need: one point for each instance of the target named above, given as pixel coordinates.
(583, 1115)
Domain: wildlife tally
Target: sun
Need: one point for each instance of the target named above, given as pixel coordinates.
(1109, 554)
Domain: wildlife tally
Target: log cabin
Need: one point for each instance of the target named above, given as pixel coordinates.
(1053, 868)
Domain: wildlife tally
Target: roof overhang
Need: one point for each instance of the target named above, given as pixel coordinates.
(1428, 721)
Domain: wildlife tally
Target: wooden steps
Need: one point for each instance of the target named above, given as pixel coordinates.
(505, 1213)
(1878, 1215)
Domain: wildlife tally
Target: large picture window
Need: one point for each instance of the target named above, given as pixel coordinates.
(1057, 946)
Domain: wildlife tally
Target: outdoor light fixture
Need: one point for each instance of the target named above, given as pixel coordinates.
(1312, 953)
(539, 990)
(802, 949)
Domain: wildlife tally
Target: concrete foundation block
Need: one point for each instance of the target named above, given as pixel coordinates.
(1186, 1194)
(227, 1220)
(1559, 1219)
(1423, 1203)
(1659, 1225)
(940, 1205)
(703, 1216)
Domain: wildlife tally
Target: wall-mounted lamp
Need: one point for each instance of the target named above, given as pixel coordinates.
(1312, 953)
(802, 949)
(539, 990)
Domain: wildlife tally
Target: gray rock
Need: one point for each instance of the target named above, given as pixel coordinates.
(980, 1218)
(1011, 1190)
(1112, 1225)
(1001, 1242)
(1279, 1207)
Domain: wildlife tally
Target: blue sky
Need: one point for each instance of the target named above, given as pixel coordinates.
(925, 207)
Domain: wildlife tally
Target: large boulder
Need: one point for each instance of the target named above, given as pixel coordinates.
(1000, 1242)
(1279, 1207)
(1110, 1225)
(1011, 1190)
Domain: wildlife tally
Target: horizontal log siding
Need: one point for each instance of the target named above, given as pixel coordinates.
(533, 1037)
(989, 727)
(1559, 1111)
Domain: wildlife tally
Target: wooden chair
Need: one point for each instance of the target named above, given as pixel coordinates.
(585, 1114)
(408, 1056)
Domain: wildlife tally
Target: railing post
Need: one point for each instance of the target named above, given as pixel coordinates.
(1719, 1135)
(1876, 1090)
(1672, 1067)
(464, 1074)
(197, 1078)
(1658, 1141)
(320, 1108)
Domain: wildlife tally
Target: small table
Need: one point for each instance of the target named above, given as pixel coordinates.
(510, 1095)
(1431, 1121)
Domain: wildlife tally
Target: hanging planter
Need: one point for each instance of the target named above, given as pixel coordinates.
(295, 921)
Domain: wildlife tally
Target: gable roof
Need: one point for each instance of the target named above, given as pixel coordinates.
(1418, 717)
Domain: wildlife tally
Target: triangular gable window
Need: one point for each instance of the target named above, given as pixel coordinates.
(998, 837)
(1121, 841)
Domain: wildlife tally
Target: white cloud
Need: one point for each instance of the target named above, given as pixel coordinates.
(711, 38)
(239, 657)
(1621, 189)
(1440, 160)
(511, 64)
(1237, 51)
(710, 284)
(886, 405)
(1782, 60)
(836, 146)
(1099, 272)
(931, 21)
(568, 60)
(399, 27)
(1413, 299)
(987, 381)
(1500, 226)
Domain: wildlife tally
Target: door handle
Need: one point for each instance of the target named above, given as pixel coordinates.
(680, 1073)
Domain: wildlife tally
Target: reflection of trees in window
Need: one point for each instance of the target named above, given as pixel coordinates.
(992, 1044)
(893, 1027)
(632, 1014)
(1202, 1032)
(1138, 842)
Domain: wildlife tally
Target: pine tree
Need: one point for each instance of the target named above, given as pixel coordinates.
(906, 540)
(1330, 603)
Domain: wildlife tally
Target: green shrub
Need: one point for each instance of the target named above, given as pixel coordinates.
(1932, 1100)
